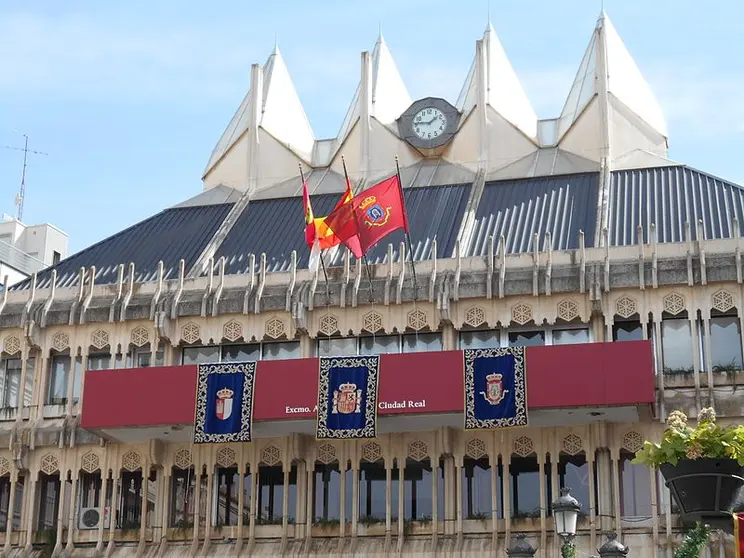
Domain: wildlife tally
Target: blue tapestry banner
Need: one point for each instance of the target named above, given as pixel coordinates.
(224, 402)
(495, 388)
(347, 397)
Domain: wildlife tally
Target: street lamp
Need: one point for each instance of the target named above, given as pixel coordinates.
(565, 515)
(613, 548)
(521, 548)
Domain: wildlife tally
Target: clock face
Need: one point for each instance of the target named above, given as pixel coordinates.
(429, 123)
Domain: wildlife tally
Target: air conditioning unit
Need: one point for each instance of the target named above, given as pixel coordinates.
(90, 518)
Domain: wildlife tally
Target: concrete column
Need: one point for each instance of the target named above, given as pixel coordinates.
(60, 513)
(615, 464)
(241, 496)
(197, 500)
(143, 505)
(355, 498)
(115, 482)
(73, 510)
(254, 503)
(388, 495)
(11, 505)
(506, 461)
(102, 512)
(434, 497)
(309, 502)
(285, 499)
(30, 513)
(210, 507)
(401, 494)
(458, 493)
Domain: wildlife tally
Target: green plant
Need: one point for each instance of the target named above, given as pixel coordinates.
(325, 523)
(678, 371)
(693, 542)
(568, 549)
(482, 516)
(368, 520)
(706, 440)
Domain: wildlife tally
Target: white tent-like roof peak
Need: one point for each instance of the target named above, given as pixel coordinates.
(504, 92)
(606, 57)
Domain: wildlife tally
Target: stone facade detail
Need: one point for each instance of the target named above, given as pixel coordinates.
(568, 310)
(371, 452)
(131, 461)
(60, 341)
(523, 446)
(326, 454)
(475, 316)
(674, 304)
(99, 339)
(372, 322)
(226, 457)
(417, 450)
(11, 345)
(521, 313)
(140, 336)
(90, 462)
(572, 444)
(4, 466)
(49, 464)
(271, 455)
(328, 325)
(190, 333)
(182, 459)
(416, 320)
(232, 331)
(274, 328)
(625, 307)
(476, 448)
(723, 301)
(632, 441)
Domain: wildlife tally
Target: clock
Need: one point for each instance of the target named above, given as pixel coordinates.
(428, 123)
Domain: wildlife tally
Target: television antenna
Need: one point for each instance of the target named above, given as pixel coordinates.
(20, 196)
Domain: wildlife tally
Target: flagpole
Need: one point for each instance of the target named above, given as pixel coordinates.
(366, 262)
(320, 254)
(408, 235)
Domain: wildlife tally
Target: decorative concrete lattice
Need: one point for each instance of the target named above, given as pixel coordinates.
(417, 320)
(99, 339)
(182, 459)
(521, 313)
(190, 333)
(625, 307)
(326, 454)
(568, 310)
(475, 316)
(723, 301)
(90, 462)
(371, 452)
(271, 456)
(476, 448)
(226, 457)
(60, 341)
(140, 336)
(417, 450)
(328, 324)
(49, 464)
(131, 461)
(274, 328)
(674, 303)
(572, 444)
(524, 446)
(232, 330)
(12, 345)
(372, 322)
(4, 466)
(632, 441)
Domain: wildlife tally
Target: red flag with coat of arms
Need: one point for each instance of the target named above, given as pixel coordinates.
(370, 216)
(739, 535)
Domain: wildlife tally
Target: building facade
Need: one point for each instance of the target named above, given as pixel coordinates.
(28, 249)
(618, 269)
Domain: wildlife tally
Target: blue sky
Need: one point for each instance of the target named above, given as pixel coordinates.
(129, 98)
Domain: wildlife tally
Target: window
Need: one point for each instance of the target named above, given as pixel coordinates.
(570, 336)
(337, 346)
(627, 331)
(327, 496)
(525, 486)
(90, 490)
(480, 339)
(573, 472)
(280, 350)
(241, 353)
(49, 486)
(526, 338)
(270, 497)
(130, 505)
(226, 488)
(676, 343)
(421, 342)
(58, 379)
(56, 256)
(379, 344)
(725, 343)
(28, 391)
(372, 481)
(183, 486)
(10, 383)
(201, 355)
(100, 361)
(635, 488)
(417, 490)
(476, 489)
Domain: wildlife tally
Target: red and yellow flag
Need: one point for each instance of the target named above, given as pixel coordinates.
(739, 535)
(316, 228)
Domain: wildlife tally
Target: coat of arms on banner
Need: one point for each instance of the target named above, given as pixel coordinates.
(347, 397)
(224, 402)
(495, 388)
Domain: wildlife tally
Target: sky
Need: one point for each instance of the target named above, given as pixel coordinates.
(127, 99)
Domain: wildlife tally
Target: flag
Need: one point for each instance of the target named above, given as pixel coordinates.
(324, 234)
(318, 235)
(495, 388)
(310, 229)
(370, 216)
(224, 402)
(739, 535)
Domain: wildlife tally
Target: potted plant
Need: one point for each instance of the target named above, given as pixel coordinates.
(702, 466)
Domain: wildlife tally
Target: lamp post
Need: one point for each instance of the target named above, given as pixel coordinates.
(613, 548)
(565, 515)
(521, 548)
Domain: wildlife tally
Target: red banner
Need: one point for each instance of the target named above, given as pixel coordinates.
(739, 534)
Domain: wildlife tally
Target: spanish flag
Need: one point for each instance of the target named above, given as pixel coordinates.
(739, 535)
(318, 235)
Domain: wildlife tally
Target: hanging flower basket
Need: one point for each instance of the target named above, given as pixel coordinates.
(702, 466)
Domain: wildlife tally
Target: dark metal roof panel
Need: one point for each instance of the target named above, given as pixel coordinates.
(276, 227)
(670, 197)
(561, 205)
(171, 235)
